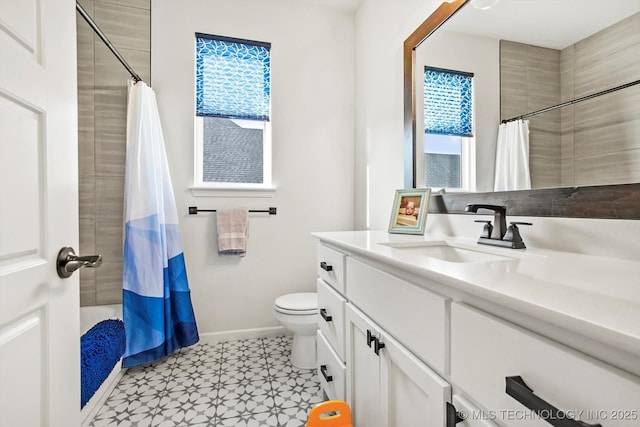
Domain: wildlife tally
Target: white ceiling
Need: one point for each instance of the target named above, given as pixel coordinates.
(548, 23)
(340, 4)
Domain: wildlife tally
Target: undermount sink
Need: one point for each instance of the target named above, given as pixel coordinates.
(446, 252)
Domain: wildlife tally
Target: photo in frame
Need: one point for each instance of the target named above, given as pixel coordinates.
(409, 213)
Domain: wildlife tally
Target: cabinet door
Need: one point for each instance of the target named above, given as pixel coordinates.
(412, 394)
(363, 371)
(392, 388)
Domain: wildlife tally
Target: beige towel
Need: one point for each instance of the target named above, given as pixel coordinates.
(233, 225)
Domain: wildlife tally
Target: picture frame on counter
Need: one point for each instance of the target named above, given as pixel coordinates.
(409, 213)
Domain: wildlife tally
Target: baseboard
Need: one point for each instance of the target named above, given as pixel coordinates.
(243, 334)
(90, 410)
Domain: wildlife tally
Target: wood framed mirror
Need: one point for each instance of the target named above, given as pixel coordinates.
(598, 201)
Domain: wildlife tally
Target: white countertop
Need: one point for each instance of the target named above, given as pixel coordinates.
(593, 296)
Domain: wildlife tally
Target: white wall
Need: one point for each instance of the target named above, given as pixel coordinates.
(480, 56)
(611, 238)
(313, 149)
(381, 28)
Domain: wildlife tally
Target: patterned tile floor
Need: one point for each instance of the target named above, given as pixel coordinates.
(235, 383)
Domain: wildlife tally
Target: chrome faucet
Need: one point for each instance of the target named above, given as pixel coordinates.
(499, 234)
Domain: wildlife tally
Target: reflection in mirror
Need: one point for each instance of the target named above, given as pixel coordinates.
(529, 55)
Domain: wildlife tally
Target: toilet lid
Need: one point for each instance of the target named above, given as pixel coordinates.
(302, 303)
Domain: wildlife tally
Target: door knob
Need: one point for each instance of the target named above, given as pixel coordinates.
(68, 262)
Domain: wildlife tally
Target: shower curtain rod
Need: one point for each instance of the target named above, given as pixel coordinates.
(575, 101)
(106, 41)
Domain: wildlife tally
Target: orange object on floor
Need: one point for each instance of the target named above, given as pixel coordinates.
(340, 415)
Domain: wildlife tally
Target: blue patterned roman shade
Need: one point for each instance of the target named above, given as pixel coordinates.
(233, 78)
(447, 102)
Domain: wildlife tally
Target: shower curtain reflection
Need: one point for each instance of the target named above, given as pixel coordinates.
(512, 157)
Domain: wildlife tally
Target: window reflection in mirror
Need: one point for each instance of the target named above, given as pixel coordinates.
(448, 128)
(478, 58)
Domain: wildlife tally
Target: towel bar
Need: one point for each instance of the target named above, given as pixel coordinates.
(193, 210)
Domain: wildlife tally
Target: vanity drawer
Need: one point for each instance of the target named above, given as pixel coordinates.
(331, 265)
(412, 315)
(485, 350)
(331, 370)
(331, 320)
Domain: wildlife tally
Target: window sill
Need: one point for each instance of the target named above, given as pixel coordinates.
(249, 191)
(441, 191)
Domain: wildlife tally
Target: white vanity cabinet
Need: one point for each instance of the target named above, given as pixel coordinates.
(330, 361)
(386, 384)
(405, 348)
(486, 350)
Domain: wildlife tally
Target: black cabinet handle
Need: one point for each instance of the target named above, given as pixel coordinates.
(323, 371)
(325, 266)
(517, 389)
(377, 346)
(453, 416)
(325, 316)
(370, 338)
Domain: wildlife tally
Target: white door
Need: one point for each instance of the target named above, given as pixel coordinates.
(363, 371)
(412, 393)
(39, 325)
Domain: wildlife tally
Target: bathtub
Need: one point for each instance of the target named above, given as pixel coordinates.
(89, 316)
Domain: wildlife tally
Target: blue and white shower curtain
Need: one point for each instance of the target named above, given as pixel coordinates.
(157, 310)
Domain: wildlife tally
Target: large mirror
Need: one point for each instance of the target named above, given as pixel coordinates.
(526, 56)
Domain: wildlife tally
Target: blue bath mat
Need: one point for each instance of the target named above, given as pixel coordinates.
(101, 348)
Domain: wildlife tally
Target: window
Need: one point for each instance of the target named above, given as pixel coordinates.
(448, 129)
(233, 106)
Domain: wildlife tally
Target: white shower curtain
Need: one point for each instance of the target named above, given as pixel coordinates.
(512, 157)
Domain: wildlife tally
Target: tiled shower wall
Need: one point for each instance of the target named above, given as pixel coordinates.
(601, 136)
(530, 81)
(594, 142)
(102, 106)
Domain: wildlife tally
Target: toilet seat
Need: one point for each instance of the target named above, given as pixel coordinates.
(300, 304)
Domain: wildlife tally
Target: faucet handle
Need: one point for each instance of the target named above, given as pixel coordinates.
(499, 216)
(488, 228)
(513, 235)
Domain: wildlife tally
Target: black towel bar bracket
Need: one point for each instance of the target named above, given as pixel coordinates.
(193, 210)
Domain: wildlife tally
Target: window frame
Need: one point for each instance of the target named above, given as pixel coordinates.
(467, 167)
(468, 143)
(201, 185)
(231, 189)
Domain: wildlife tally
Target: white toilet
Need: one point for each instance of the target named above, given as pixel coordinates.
(297, 313)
